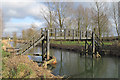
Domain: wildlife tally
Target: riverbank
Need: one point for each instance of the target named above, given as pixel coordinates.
(19, 66)
(110, 48)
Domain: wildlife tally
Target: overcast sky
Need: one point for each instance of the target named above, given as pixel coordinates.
(20, 14)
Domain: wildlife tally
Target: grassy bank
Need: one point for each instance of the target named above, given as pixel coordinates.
(109, 48)
(19, 66)
(81, 43)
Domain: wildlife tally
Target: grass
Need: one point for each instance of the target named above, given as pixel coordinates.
(22, 71)
(108, 43)
(4, 54)
(20, 67)
(77, 42)
(70, 42)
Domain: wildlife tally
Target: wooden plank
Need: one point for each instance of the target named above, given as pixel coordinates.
(47, 62)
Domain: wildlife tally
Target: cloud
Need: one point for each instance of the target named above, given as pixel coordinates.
(18, 27)
(21, 9)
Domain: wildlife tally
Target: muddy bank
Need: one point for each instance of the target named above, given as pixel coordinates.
(109, 50)
(75, 48)
(112, 50)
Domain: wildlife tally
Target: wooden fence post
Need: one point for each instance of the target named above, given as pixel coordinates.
(80, 34)
(69, 33)
(48, 45)
(55, 33)
(64, 33)
(73, 33)
(93, 43)
(51, 32)
(60, 32)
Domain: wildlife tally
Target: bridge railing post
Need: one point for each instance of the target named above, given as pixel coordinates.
(48, 45)
(73, 33)
(64, 33)
(55, 33)
(76, 31)
(60, 32)
(86, 35)
(41, 30)
(51, 31)
(68, 33)
(93, 43)
(80, 34)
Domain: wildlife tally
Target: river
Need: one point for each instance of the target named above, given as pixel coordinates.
(71, 64)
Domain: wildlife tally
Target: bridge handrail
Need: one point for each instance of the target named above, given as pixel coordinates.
(30, 40)
(60, 32)
(98, 39)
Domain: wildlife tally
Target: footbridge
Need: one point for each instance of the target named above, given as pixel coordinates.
(44, 35)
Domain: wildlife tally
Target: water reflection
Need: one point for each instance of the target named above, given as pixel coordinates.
(71, 64)
(35, 58)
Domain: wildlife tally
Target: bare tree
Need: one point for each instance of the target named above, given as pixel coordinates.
(49, 15)
(60, 10)
(70, 13)
(79, 17)
(99, 17)
(86, 19)
(114, 15)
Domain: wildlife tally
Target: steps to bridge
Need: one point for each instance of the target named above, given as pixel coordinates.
(39, 36)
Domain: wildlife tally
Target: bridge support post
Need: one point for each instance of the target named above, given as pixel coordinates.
(86, 44)
(43, 50)
(93, 43)
(48, 45)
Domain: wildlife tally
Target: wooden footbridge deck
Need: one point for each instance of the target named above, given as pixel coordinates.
(45, 35)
